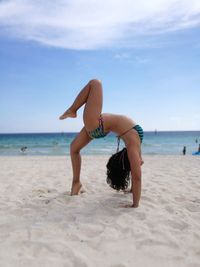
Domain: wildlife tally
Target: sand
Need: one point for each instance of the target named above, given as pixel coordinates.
(42, 225)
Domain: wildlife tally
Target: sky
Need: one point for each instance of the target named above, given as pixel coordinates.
(146, 53)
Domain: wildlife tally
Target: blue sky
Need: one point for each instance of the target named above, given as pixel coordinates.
(147, 56)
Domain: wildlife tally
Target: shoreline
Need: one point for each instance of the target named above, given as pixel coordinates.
(63, 132)
(100, 156)
(54, 144)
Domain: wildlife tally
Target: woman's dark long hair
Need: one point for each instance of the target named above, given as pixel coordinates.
(118, 170)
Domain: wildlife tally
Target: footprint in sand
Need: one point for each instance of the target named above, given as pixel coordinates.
(180, 199)
(169, 209)
(44, 194)
(196, 200)
(180, 225)
(192, 207)
(41, 191)
(141, 215)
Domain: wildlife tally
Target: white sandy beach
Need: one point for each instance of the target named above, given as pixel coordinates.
(42, 225)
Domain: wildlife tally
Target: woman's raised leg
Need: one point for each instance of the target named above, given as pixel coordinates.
(91, 95)
(78, 102)
(81, 140)
(93, 106)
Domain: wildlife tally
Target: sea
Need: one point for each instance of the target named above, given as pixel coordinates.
(58, 144)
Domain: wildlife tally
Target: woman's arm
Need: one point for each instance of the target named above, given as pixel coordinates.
(135, 163)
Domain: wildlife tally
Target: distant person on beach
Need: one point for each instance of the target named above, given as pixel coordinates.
(23, 149)
(199, 148)
(98, 125)
(184, 150)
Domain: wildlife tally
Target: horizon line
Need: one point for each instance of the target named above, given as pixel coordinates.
(62, 132)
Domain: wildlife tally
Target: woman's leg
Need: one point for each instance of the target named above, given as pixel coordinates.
(93, 106)
(91, 96)
(81, 140)
(78, 102)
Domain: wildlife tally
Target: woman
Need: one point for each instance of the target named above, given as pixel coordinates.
(98, 125)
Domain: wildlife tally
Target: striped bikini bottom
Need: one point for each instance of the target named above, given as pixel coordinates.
(139, 129)
(99, 131)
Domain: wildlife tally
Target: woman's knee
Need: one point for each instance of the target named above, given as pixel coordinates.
(74, 149)
(95, 82)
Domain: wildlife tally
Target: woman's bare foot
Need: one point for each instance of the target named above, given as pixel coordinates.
(68, 114)
(76, 189)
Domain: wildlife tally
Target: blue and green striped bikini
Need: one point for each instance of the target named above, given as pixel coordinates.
(99, 131)
(139, 130)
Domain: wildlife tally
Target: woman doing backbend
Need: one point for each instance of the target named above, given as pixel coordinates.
(97, 125)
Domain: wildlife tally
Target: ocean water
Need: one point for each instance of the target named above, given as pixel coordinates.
(55, 144)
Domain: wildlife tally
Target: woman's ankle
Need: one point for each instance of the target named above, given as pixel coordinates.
(76, 187)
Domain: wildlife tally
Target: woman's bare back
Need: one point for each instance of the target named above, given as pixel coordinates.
(117, 123)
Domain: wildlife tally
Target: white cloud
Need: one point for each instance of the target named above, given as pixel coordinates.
(92, 24)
